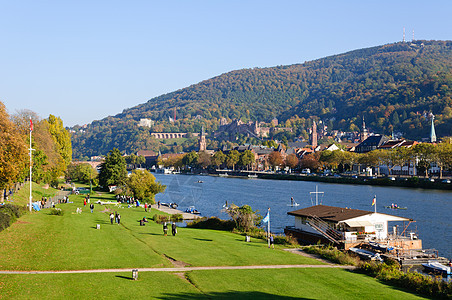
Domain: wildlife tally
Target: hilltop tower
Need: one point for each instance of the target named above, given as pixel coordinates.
(314, 135)
(432, 132)
(202, 140)
(364, 133)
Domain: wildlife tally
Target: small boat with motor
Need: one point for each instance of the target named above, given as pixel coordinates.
(395, 207)
(170, 205)
(366, 254)
(380, 247)
(434, 266)
(223, 175)
(252, 176)
(192, 210)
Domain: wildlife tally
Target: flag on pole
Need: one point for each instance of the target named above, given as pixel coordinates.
(266, 218)
(31, 125)
(374, 200)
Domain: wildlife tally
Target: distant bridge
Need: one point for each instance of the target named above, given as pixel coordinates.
(171, 135)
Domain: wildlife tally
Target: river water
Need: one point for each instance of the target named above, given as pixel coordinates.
(431, 209)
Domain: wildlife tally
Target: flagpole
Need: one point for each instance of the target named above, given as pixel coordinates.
(31, 129)
(268, 227)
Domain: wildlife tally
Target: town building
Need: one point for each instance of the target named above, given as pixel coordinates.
(146, 123)
(371, 143)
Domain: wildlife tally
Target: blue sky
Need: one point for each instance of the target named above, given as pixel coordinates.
(85, 60)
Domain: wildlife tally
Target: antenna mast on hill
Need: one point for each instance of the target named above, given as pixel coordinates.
(403, 40)
(413, 36)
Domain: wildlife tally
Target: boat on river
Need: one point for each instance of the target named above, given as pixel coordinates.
(395, 207)
(192, 210)
(434, 266)
(380, 247)
(366, 254)
(293, 203)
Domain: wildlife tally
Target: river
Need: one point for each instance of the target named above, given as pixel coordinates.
(431, 209)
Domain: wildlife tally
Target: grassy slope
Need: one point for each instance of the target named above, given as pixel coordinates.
(21, 197)
(40, 241)
(296, 283)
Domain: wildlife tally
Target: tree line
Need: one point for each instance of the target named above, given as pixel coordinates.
(51, 144)
(421, 156)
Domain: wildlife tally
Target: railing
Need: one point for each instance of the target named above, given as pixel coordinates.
(326, 230)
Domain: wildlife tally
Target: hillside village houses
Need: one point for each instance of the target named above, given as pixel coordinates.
(359, 142)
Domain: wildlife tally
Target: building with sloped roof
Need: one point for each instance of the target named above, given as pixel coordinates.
(371, 143)
(346, 227)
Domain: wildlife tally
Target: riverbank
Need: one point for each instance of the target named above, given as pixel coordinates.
(408, 182)
(194, 264)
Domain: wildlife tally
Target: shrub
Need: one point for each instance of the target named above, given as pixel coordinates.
(259, 233)
(332, 254)
(56, 212)
(212, 223)
(416, 282)
(160, 218)
(5, 221)
(177, 218)
(9, 213)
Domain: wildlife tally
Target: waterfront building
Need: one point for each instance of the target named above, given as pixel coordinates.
(346, 227)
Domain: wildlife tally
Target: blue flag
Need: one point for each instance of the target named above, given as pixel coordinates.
(267, 217)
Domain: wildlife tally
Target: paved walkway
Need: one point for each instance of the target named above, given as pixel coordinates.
(184, 269)
(172, 211)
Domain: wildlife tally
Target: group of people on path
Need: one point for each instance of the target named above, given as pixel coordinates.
(115, 217)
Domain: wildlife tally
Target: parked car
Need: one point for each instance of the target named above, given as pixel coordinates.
(392, 178)
(446, 181)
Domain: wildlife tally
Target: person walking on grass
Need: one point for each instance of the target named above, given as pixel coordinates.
(116, 217)
(119, 219)
(272, 241)
(145, 207)
(173, 229)
(165, 229)
(91, 206)
(112, 216)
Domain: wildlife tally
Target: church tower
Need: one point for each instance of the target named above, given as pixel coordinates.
(202, 140)
(364, 133)
(432, 132)
(314, 135)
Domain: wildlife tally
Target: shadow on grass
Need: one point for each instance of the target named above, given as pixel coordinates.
(124, 277)
(228, 295)
(204, 240)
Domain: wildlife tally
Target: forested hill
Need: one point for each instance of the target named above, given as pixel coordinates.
(392, 85)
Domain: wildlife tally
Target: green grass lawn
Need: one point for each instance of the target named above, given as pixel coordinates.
(40, 241)
(212, 284)
(291, 284)
(95, 286)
